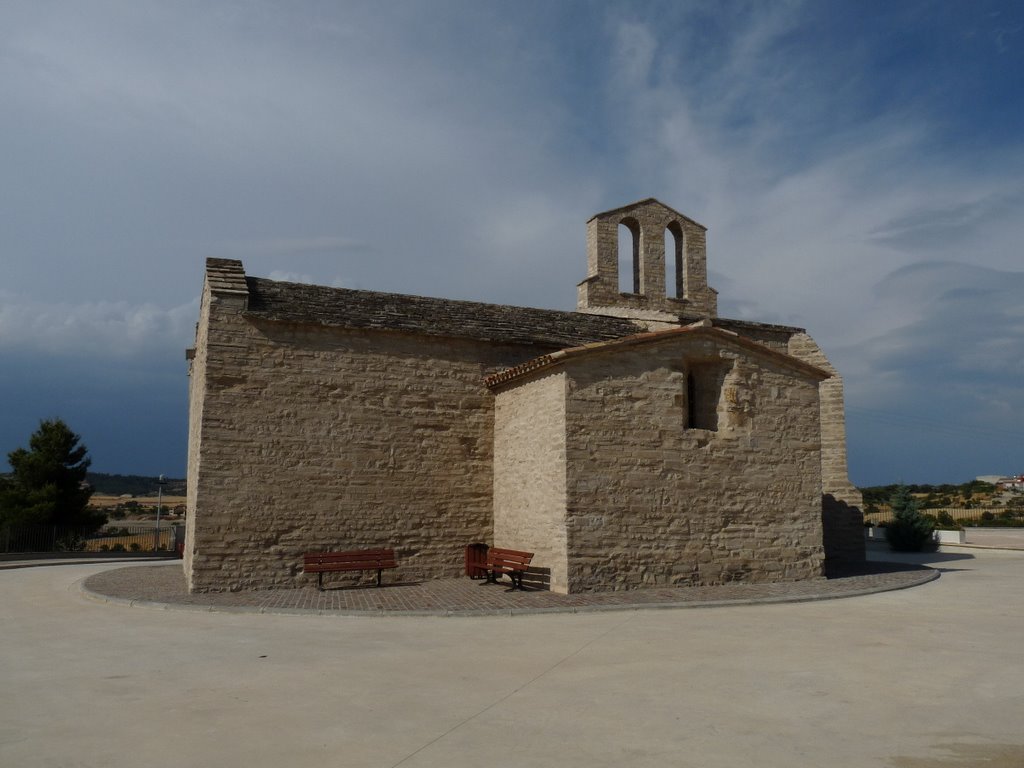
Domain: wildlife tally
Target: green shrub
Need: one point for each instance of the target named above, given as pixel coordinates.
(947, 522)
(70, 542)
(909, 531)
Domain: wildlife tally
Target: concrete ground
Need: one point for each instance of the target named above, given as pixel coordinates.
(929, 676)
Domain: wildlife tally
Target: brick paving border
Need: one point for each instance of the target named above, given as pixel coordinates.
(163, 586)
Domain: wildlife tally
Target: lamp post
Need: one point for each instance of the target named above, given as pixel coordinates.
(161, 482)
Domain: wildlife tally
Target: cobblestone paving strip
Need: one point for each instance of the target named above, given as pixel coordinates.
(164, 586)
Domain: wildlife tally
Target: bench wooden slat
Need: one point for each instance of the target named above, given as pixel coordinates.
(341, 553)
(351, 560)
(335, 567)
(511, 561)
(342, 564)
(351, 555)
(503, 551)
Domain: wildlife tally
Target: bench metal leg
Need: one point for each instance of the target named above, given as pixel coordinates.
(378, 577)
(320, 581)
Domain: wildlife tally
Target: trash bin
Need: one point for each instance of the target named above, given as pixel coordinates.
(476, 558)
(179, 540)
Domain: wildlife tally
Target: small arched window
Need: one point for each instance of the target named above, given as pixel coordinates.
(629, 256)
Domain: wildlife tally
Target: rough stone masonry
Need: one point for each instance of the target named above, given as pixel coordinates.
(638, 441)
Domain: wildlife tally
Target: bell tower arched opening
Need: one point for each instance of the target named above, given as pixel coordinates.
(629, 256)
(675, 272)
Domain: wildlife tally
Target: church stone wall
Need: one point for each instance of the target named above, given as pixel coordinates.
(324, 419)
(529, 474)
(197, 395)
(842, 502)
(651, 503)
(325, 439)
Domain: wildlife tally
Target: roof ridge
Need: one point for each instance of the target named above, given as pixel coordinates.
(647, 201)
(702, 327)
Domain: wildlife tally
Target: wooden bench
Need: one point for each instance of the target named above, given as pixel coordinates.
(355, 560)
(510, 561)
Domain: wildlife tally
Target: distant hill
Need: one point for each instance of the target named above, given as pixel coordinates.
(136, 485)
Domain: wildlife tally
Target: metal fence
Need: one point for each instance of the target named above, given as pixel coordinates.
(997, 517)
(109, 538)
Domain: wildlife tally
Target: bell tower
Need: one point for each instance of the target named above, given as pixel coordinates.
(660, 236)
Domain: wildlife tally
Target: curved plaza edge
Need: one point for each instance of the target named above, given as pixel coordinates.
(162, 587)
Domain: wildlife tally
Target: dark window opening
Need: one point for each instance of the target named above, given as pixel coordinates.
(629, 256)
(674, 272)
(703, 392)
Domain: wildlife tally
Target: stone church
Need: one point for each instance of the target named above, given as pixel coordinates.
(641, 440)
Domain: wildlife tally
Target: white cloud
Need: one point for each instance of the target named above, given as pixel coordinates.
(101, 330)
(283, 247)
(969, 323)
(943, 390)
(804, 237)
(457, 149)
(253, 131)
(291, 277)
(898, 257)
(635, 48)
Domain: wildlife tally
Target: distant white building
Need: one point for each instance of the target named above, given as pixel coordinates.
(1011, 483)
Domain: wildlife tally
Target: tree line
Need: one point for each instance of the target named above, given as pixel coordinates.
(50, 482)
(880, 494)
(47, 484)
(135, 485)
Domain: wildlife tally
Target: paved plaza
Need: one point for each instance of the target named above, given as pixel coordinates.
(913, 678)
(164, 586)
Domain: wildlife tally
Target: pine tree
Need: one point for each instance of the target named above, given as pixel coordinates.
(910, 531)
(47, 485)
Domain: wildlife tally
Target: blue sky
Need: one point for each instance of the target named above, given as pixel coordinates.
(860, 167)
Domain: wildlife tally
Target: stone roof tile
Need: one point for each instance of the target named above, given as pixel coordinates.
(226, 276)
(647, 201)
(348, 308)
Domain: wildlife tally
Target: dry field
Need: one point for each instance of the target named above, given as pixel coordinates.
(957, 513)
(102, 501)
(137, 541)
